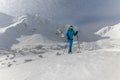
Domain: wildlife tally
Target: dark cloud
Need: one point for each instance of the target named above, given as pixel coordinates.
(77, 12)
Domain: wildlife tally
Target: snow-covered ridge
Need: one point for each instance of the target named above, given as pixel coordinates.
(112, 32)
(110, 37)
(20, 20)
(38, 29)
(104, 30)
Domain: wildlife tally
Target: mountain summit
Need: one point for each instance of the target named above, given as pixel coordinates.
(113, 32)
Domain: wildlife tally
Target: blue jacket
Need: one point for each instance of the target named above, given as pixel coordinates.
(70, 33)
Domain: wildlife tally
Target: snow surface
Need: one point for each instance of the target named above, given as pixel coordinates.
(94, 65)
(32, 50)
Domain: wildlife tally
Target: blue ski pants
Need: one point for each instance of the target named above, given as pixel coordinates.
(70, 43)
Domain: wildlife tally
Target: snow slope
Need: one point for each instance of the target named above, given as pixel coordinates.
(28, 30)
(5, 20)
(106, 38)
(38, 44)
(111, 38)
(94, 65)
(111, 32)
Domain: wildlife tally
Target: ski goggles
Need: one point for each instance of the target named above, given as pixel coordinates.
(70, 27)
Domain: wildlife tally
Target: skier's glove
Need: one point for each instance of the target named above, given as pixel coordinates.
(76, 33)
(68, 38)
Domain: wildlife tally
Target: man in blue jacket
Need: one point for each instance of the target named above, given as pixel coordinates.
(70, 33)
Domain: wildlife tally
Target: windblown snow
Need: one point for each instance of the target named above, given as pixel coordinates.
(31, 50)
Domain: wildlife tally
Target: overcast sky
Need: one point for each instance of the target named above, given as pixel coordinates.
(76, 12)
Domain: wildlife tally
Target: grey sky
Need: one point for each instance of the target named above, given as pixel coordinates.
(76, 12)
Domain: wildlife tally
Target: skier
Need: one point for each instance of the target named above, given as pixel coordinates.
(70, 33)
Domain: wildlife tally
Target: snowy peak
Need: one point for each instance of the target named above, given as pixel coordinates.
(35, 24)
(19, 18)
(112, 32)
(32, 22)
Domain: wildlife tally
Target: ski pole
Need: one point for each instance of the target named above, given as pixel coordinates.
(78, 41)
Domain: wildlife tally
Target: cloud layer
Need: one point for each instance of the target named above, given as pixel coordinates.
(77, 12)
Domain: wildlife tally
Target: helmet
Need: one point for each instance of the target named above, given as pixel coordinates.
(71, 27)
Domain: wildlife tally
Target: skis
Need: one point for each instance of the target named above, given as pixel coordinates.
(78, 42)
(60, 34)
(78, 39)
